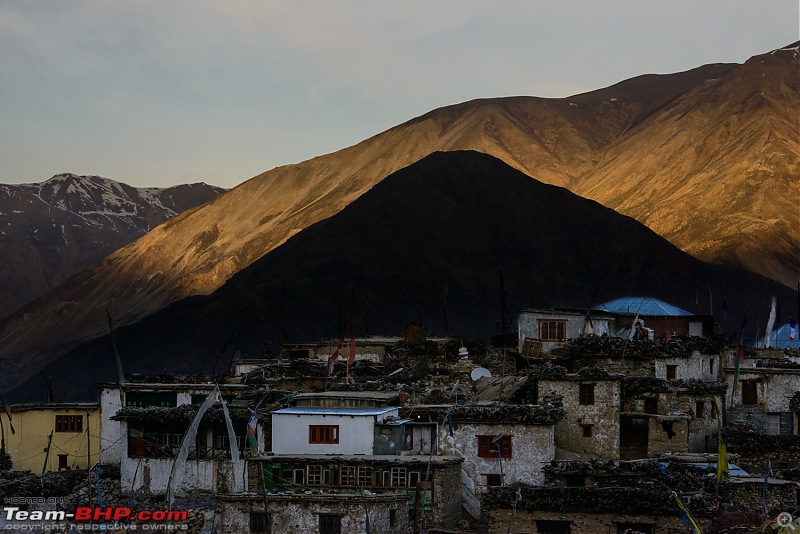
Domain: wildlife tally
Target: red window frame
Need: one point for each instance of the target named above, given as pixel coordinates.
(69, 423)
(323, 434)
(487, 449)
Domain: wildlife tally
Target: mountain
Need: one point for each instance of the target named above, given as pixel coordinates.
(437, 231)
(51, 230)
(740, 139)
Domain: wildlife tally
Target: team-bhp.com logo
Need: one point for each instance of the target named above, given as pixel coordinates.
(96, 518)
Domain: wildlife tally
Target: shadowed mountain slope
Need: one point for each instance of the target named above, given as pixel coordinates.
(671, 121)
(450, 220)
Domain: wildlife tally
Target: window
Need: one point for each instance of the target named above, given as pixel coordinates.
(62, 462)
(552, 330)
(489, 445)
(330, 524)
(651, 405)
(158, 441)
(323, 434)
(392, 517)
(553, 527)
(711, 365)
(260, 522)
(299, 477)
(69, 423)
(749, 392)
(151, 398)
(347, 476)
(587, 430)
(399, 476)
(586, 394)
(700, 410)
(493, 480)
(672, 372)
(364, 475)
(314, 475)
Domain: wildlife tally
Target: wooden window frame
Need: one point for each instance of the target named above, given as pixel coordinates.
(671, 371)
(749, 392)
(546, 327)
(314, 475)
(487, 449)
(348, 475)
(586, 394)
(69, 423)
(700, 409)
(399, 477)
(323, 434)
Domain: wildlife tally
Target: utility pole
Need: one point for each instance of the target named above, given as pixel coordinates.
(88, 459)
(46, 455)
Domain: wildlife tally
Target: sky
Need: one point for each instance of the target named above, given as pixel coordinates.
(157, 93)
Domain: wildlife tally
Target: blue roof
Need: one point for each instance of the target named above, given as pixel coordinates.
(642, 306)
(334, 410)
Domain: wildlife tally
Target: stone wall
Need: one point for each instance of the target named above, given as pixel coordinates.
(747, 492)
(667, 434)
(603, 415)
(532, 446)
(447, 498)
(300, 514)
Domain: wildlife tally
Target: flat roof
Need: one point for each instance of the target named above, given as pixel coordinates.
(55, 406)
(334, 410)
(348, 394)
(386, 458)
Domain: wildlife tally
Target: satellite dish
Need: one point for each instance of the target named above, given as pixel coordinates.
(480, 372)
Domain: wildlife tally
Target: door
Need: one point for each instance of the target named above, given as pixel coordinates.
(422, 438)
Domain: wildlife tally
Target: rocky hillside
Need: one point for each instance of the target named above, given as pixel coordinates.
(51, 230)
(694, 155)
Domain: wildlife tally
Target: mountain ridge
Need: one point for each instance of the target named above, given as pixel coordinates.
(439, 230)
(51, 230)
(571, 142)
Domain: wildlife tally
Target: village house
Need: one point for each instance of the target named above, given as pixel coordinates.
(762, 399)
(592, 401)
(651, 318)
(500, 444)
(143, 425)
(53, 436)
(331, 467)
(669, 408)
(540, 329)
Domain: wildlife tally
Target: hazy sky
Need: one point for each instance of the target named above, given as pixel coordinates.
(172, 91)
